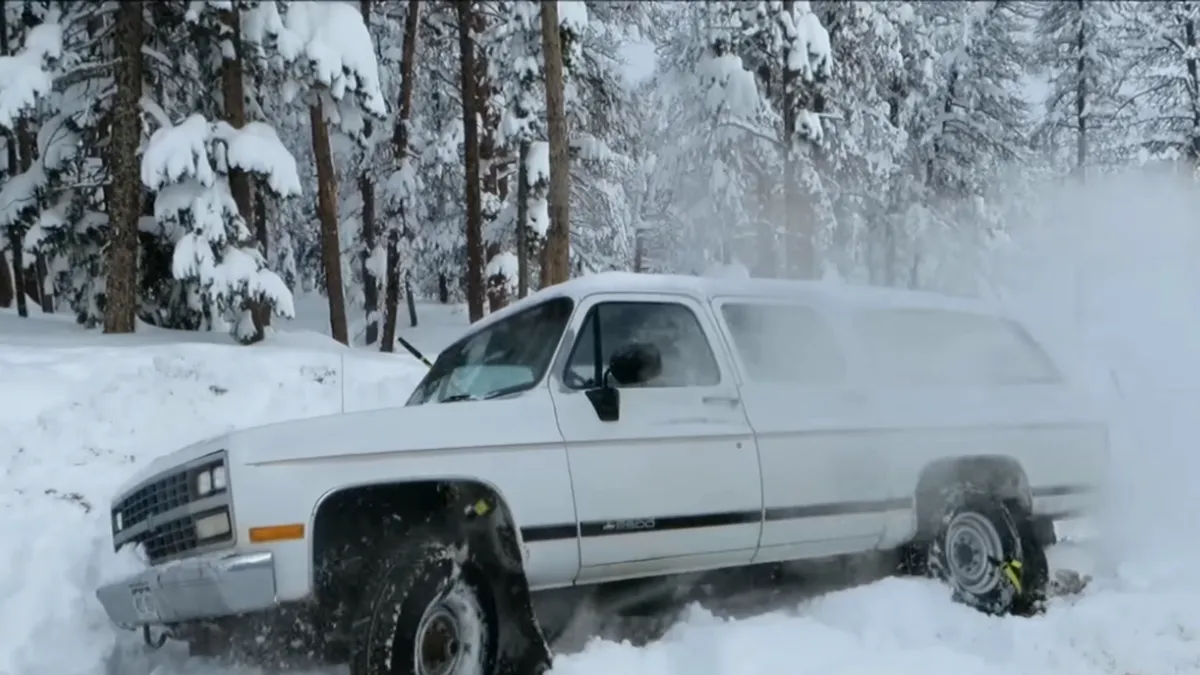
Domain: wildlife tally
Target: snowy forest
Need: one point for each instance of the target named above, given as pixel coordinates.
(196, 164)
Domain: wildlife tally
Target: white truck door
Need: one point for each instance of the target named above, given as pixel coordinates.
(825, 482)
(673, 483)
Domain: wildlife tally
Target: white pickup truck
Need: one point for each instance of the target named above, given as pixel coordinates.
(605, 435)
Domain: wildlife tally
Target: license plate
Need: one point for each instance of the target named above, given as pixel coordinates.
(143, 603)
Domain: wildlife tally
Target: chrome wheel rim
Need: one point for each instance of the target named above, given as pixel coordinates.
(438, 641)
(451, 638)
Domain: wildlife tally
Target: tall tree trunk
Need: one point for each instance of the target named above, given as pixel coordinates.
(366, 190)
(798, 260)
(470, 112)
(15, 242)
(125, 203)
(45, 295)
(523, 220)
(1193, 70)
(6, 280)
(233, 90)
(556, 256)
(331, 250)
(412, 304)
(400, 156)
(32, 276)
(494, 187)
(1081, 95)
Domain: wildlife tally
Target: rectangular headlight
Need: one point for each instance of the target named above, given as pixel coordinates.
(212, 526)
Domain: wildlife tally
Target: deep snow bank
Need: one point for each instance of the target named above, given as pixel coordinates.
(76, 418)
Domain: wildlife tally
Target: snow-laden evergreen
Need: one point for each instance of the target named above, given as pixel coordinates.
(885, 142)
(188, 166)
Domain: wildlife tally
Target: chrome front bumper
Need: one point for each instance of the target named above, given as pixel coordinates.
(191, 590)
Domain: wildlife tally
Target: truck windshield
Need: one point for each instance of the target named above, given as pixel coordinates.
(507, 357)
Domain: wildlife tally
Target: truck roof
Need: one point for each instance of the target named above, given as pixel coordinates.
(708, 288)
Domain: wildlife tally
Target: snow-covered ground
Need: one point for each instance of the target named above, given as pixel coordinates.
(78, 411)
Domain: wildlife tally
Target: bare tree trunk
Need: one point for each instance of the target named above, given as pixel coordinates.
(1189, 31)
(791, 204)
(14, 238)
(556, 256)
(233, 90)
(523, 220)
(400, 153)
(470, 111)
(331, 251)
(366, 189)
(1081, 94)
(494, 187)
(32, 277)
(46, 297)
(412, 304)
(125, 203)
(6, 287)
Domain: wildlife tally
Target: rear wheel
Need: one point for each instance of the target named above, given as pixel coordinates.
(986, 550)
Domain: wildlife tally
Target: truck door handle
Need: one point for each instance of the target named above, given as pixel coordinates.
(730, 401)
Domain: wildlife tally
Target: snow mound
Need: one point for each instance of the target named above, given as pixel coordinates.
(78, 417)
(907, 627)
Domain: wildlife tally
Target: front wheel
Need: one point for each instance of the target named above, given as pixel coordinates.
(987, 551)
(425, 612)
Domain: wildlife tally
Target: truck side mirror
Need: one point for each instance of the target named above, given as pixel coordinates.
(632, 364)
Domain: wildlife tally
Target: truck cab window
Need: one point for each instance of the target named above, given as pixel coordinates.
(671, 328)
(507, 357)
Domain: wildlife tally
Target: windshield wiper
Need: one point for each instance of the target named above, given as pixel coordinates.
(504, 391)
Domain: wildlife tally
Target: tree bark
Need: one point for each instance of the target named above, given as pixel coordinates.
(14, 238)
(494, 188)
(412, 304)
(400, 153)
(366, 190)
(233, 90)
(125, 204)
(42, 270)
(331, 251)
(6, 287)
(556, 256)
(523, 220)
(1081, 95)
(32, 277)
(470, 112)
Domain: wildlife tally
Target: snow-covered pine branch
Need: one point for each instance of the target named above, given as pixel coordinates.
(334, 49)
(188, 166)
(29, 74)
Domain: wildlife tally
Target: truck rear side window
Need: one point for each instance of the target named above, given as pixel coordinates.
(784, 343)
(948, 348)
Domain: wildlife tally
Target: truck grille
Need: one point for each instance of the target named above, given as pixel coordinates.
(154, 499)
(163, 514)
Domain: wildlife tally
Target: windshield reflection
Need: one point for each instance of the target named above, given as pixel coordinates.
(507, 357)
